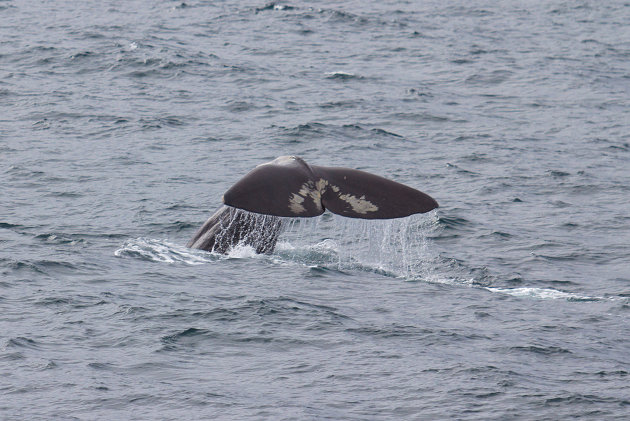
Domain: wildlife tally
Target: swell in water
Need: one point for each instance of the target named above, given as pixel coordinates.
(122, 123)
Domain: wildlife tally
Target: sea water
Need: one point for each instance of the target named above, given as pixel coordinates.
(122, 124)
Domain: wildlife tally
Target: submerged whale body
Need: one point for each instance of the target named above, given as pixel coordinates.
(289, 187)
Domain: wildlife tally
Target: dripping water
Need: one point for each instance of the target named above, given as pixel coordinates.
(394, 247)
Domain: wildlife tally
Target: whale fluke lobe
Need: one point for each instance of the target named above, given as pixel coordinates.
(358, 194)
(289, 187)
(280, 188)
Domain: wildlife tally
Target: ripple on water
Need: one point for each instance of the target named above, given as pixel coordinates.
(117, 129)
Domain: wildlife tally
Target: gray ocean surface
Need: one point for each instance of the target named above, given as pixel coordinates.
(122, 124)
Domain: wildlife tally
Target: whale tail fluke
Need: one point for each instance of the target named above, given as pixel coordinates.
(290, 187)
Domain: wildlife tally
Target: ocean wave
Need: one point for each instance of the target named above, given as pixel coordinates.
(343, 76)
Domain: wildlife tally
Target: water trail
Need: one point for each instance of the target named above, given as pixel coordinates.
(395, 247)
(543, 294)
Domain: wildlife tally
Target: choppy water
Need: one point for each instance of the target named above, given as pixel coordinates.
(122, 123)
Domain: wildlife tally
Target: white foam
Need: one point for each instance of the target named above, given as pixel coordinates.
(339, 74)
(327, 245)
(284, 246)
(162, 251)
(435, 278)
(543, 294)
(241, 251)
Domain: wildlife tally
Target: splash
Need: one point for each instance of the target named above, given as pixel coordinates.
(162, 251)
(400, 248)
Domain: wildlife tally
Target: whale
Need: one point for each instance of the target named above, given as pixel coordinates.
(255, 207)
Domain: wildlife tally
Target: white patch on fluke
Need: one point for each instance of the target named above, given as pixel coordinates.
(295, 203)
(359, 204)
(315, 191)
(308, 189)
(305, 190)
